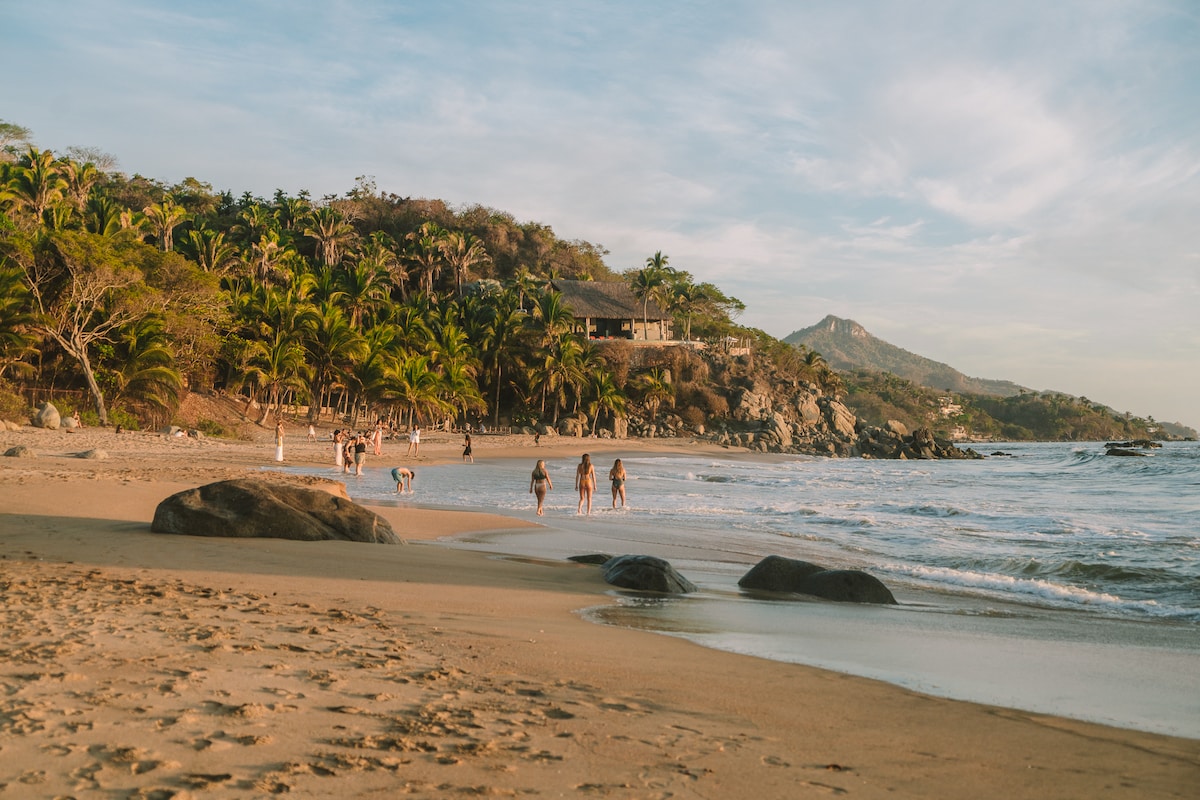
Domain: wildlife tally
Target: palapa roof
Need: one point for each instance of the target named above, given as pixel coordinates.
(604, 300)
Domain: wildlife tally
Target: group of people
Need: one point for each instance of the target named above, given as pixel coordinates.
(350, 449)
(585, 484)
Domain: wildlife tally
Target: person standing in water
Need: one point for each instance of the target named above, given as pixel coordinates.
(403, 476)
(279, 439)
(617, 476)
(539, 484)
(585, 482)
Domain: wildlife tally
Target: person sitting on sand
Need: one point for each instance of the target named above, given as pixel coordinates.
(403, 476)
(539, 484)
(617, 476)
(585, 482)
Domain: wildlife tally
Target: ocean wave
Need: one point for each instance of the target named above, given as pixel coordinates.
(1039, 589)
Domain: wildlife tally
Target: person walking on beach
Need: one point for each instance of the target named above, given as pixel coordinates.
(539, 484)
(467, 454)
(414, 441)
(403, 476)
(279, 440)
(339, 444)
(617, 476)
(378, 438)
(585, 482)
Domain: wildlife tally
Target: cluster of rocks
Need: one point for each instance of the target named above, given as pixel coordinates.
(1135, 447)
(773, 576)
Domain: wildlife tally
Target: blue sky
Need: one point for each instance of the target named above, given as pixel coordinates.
(1010, 188)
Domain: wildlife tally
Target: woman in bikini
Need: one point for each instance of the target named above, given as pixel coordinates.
(585, 482)
(617, 476)
(539, 484)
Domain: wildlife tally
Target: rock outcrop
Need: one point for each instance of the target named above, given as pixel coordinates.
(779, 574)
(647, 574)
(46, 416)
(257, 508)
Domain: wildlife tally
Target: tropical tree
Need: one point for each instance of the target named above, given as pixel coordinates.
(425, 253)
(463, 252)
(655, 389)
(605, 396)
(17, 339)
(415, 388)
(142, 368)
(210, 249)
(279, 366)
(333, 346)
(331, 232)
(83, 292)
(164, 218)
(646, 281)
(36, 184)
(501, 334)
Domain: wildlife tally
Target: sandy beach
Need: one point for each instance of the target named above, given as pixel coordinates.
(145, 665)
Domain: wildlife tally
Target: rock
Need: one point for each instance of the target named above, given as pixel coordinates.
(896, 427)
(252, 508)
(94, 453)
(571, 426)
(20, 451)
(47, 416)
(779, 574)
(1121, 451)
(69, 423)
(591, 558)
(647, 574)
(840, 418)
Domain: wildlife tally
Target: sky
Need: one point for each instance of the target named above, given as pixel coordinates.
(1009, 188)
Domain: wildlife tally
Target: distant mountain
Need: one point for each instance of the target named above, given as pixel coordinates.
(846, 345)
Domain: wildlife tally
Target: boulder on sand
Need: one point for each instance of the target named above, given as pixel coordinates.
(647, 574)
(250, 508)
(46, 416)
(779, 574)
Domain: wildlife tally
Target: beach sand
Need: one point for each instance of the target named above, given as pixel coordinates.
(155, 666)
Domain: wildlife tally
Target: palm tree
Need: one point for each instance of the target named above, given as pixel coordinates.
(16, 322)
(279, 366)
(415, 388)
(551, 316)
(364, 287)
(646, 281)
(79, 179)
(144, 371)
(425, 253)
(102, 216)
(37, 184)
(333, 346)
(332, 233)
(463, 252)
(504, 326)
(210, 250)
(655, 389)
(605, 396)
(165, 217)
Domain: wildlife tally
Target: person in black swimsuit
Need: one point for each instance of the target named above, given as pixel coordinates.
(617, 476)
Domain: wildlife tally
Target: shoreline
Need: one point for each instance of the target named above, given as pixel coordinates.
(347, 668)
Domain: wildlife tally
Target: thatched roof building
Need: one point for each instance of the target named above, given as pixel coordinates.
(609, 310)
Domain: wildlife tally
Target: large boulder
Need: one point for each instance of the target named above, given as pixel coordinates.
(46, 416)
(779, 574)
(20, 451)
(647, 574)
(255, 508)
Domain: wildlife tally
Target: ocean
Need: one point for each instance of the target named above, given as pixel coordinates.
(1051, 578)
